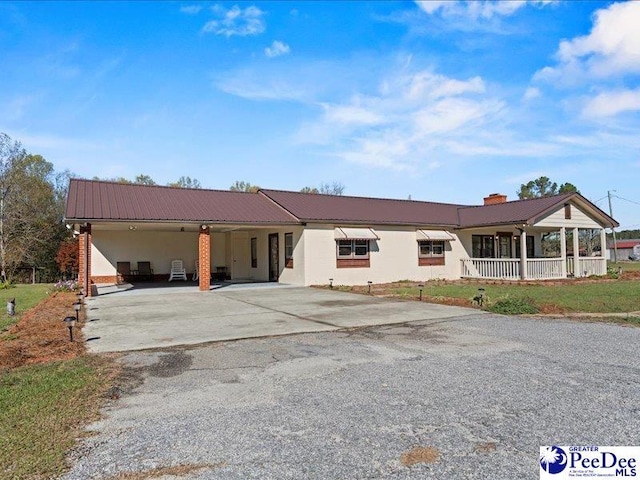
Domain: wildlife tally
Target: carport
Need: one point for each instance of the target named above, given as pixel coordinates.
(137, 319)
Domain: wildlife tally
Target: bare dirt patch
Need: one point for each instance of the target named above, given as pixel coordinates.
(40, 336)
(420, 455)
(177, 471)
(485, 447)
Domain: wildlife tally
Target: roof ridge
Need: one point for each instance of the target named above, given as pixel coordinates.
(113, 182)
(366, 198)
(520, 200)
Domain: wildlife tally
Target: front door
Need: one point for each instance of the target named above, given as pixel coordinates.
(240, 255)
(504, 245)
(274, 255)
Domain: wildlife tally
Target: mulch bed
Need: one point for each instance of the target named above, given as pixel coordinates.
(41, 336)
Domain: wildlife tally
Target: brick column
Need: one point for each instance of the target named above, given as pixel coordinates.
(204, 259)
(84, 262)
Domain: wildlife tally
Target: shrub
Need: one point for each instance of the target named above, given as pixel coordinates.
(66, 286)
(514, 306)
(6, 285)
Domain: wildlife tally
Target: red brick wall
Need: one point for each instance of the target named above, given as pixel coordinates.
(204, 259)
(84, 264)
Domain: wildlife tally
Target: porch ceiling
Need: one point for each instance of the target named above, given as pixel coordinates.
(175, 227)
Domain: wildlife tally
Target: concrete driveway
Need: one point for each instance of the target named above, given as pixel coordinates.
(122, 320)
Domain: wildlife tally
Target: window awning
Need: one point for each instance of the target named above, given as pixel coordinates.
(434, 235)
(344, 233)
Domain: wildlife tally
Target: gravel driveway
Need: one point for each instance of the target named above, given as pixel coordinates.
(479, 394)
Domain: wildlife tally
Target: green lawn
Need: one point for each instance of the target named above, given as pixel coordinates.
(626, 266)
(27, 296)
(42, 411)
(602, 297)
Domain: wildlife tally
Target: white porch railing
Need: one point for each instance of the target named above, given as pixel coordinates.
(544, 268)
(494, 268)
(587, 266)
(537, 268)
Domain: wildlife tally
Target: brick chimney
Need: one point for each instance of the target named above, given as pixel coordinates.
(495, 198)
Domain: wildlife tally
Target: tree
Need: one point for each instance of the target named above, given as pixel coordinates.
(334, 188)
(543, 187)
(239, 186)
(144, 180)
(185, 182)
(67, 257)
(31, 210)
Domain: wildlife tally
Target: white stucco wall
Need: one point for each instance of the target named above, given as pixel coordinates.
(394, 257)
(111, 246)
(293, 275)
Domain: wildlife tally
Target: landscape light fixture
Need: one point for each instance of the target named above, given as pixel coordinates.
(76, 307)
(331, 283)
(80, 296)
(421, 287)
(70, 322)
(480, 297)
(369, 282)
(11, 307)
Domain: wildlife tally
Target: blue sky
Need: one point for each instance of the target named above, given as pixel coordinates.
(443, 101)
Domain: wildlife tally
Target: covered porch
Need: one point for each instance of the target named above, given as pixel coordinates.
(534, 253)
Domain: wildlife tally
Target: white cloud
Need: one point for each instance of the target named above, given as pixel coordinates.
(608, 104)
(277, 49)
(236, 21)
(531, 93)
(191, 9)
(475, 9)
(611, 48)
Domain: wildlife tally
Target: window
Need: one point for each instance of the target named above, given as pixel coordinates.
(288, 250)
(353, 248)
(483, 246)
(530, 247)
(352, 253)
(430, 252)
(567, 211)
(254, 252)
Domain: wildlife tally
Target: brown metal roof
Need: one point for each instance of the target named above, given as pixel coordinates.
(523, 211)
(91, 200)
(310, 207)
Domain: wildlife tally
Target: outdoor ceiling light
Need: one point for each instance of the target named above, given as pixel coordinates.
(70, 322)
(76, 307)
(132, 227)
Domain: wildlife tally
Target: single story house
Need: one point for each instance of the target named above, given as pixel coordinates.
(308, 239)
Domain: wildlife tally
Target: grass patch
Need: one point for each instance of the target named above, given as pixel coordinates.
(27, 296)
(626, 266)
(588, 296)
(43, 409)
(513, 306)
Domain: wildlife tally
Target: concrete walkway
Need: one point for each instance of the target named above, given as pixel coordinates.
(122, 320)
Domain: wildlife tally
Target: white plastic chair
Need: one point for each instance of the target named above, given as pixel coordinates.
(178, 272)
(196, 272)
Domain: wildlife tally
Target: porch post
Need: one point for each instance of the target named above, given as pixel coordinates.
(523, 254)
(204, 258)
(603, 243)
(576, 254)
(84, 260)
(563, 251)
